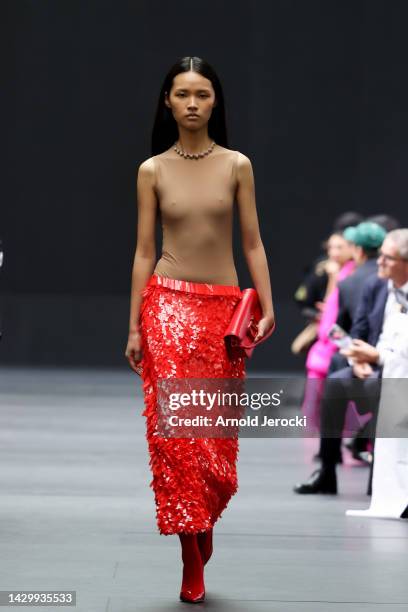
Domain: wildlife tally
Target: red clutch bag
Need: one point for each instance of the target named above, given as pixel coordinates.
(242, 329)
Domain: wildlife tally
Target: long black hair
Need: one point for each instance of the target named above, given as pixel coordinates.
(165, 131)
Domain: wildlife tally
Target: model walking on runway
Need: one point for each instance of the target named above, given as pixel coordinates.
(181, 305)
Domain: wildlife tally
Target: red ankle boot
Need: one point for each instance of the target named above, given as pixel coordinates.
(192, 588)
(205, 544)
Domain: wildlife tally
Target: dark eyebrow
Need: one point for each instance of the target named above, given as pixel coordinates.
(186, 89)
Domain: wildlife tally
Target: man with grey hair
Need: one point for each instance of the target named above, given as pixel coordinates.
(381, 297)
(392, 265)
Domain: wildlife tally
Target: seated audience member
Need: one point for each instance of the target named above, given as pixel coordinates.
(378, 301)
(339, 266)
(390, 473)
(366, 238)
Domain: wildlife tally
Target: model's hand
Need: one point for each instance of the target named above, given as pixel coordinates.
(133, 351)
(264, 326)
(362, 370)
(361, 352)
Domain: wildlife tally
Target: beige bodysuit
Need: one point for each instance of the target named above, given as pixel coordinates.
(196, 200)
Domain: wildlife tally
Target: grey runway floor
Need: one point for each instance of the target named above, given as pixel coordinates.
(77, 513)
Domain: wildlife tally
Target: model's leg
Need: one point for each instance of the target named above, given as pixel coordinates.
(205, 544)
(192, 588)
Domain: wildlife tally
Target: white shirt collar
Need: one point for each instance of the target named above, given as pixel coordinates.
(403, 288)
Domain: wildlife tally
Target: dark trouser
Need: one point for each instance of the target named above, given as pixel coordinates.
(340, 388)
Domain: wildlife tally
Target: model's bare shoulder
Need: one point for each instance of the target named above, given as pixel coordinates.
(146, 174)
(243, 162)
(147, 168)
(244, 169)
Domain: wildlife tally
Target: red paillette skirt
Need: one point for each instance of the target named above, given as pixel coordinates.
(182, 328)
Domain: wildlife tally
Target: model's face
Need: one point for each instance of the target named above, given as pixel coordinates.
(390, 264)
(338, 249)
(191, 93)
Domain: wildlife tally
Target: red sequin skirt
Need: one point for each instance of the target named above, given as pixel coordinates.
(182, 328)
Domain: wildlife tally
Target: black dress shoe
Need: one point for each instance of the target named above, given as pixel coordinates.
(321, 481)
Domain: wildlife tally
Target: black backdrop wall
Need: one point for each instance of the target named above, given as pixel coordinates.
(316, 96)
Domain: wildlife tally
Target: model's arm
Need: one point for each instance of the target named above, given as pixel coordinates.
(145, 255)
(252, 243)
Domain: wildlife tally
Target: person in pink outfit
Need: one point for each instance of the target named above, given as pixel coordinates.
(339, 265)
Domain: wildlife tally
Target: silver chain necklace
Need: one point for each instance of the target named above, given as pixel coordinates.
(186, 155)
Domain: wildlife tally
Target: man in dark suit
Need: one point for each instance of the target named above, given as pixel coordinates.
(366, 238)
(378, 298)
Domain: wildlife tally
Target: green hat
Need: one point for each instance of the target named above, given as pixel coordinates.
(350, 233)
(369, 235)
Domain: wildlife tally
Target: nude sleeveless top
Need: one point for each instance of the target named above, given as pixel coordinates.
(196, 200)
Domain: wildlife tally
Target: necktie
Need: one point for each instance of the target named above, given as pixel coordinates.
(402, 299)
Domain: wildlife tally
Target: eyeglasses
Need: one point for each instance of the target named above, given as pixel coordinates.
(389, 258)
